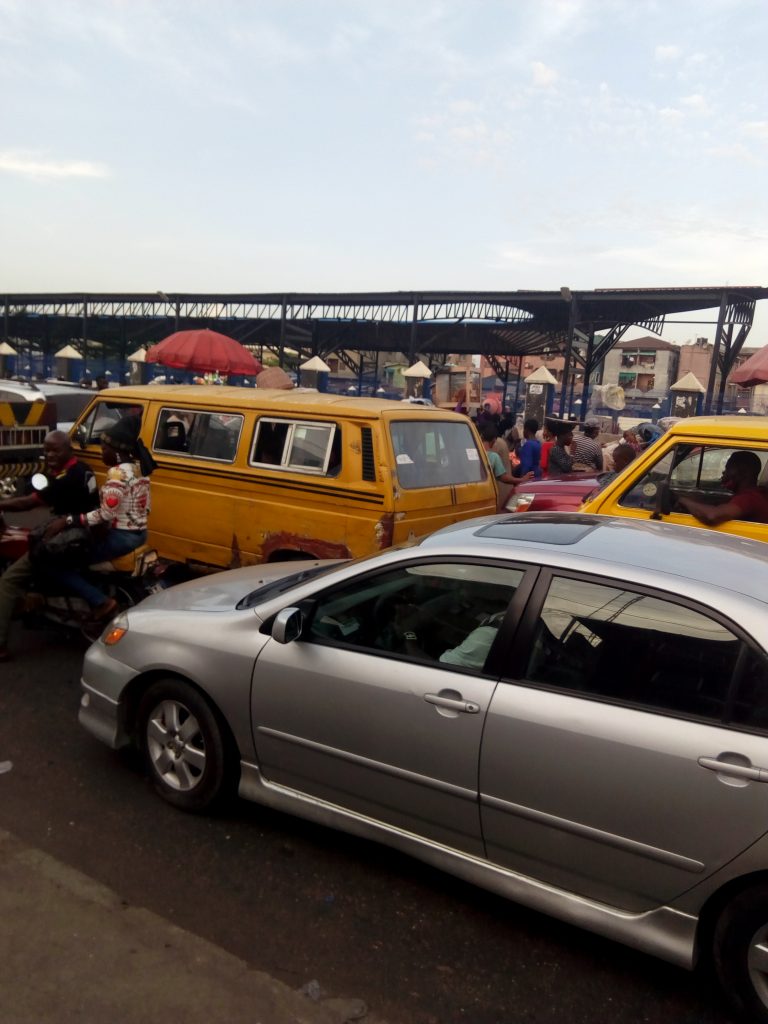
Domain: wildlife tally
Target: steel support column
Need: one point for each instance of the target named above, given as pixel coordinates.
(715, 354)
(588, 368)
(572, 312)
(85, 337)
(517, 386)
(283, 328)
(414, 325)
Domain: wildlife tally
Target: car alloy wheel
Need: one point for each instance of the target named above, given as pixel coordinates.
(740, 948)
(183, 745)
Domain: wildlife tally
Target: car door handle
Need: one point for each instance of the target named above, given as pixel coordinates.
(452, 703)
(738, 771)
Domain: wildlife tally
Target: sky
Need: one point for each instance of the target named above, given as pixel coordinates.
(344, 145)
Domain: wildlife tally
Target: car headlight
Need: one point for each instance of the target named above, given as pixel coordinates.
(116, 630)
(520, 502)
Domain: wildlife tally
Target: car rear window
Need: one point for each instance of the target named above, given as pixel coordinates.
(435, 453)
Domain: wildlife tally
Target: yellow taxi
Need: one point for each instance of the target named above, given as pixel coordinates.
(688, 461)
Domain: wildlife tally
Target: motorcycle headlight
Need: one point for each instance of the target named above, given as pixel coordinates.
(520, 502)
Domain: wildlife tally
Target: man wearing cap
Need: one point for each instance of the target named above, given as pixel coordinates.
(72, 490)
(586, 450)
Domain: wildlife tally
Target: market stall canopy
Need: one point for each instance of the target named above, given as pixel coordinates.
(690, 382)
(205, 351)
(139, 356)
(316, 364)
(6, 350)
(419, 369)
(68, 352)
(541, 376)
(752, 372)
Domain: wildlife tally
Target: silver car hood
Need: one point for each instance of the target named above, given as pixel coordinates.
(222, 591)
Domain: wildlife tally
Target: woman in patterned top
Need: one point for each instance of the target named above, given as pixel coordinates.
(119, 525)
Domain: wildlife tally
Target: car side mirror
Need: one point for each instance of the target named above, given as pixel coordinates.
(288, 625)
(81, 436)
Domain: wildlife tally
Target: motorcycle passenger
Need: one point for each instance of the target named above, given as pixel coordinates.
(71, 490)
(119, 524)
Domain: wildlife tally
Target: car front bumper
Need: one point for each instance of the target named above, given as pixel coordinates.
(103, 709)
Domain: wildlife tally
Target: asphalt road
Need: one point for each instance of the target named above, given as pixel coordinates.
(302, 902)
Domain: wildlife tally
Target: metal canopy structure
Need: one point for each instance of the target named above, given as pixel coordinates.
(582, 325)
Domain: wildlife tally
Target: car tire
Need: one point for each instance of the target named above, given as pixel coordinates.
(740, 951)
(183, 745)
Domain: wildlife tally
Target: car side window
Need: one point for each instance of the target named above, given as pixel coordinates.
(441, 612)
(306, 447)
(690, 469)
(621, 645)
(642, 493)
(101, 416)
(205, 435)
(750, 706)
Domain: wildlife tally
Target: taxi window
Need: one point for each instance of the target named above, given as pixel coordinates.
(197, 433)
(692, 469)
(301, 446)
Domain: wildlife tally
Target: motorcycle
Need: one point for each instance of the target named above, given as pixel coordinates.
(128, 579)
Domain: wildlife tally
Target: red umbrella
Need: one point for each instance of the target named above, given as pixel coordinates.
(753, 371)
(205, 351)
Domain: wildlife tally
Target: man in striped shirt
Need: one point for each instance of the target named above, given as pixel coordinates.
(586, 450)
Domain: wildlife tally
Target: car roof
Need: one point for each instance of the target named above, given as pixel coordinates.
(214, 395)
(738, 428)
(601, 543)
(59, 387)
(18, 391)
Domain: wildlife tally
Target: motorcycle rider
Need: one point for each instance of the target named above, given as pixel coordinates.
(72, 490)
(119, 524)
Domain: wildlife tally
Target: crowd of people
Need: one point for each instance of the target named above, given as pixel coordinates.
(528, 451)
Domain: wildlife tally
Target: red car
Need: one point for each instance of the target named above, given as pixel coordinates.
(555, 494)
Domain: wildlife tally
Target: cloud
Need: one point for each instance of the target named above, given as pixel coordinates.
(731, 151)
(670, 52)
(516, 257)
(464, 107)
(28, 165)
(696, 103)
(543, 77)
(671, 115)
(756, 129)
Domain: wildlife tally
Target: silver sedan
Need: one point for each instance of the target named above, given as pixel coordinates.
(569, 710)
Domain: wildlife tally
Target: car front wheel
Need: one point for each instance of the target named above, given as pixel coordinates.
(741, 953)
(183, 745)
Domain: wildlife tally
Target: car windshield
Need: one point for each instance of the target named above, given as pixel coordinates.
(435, 453)
(277, 587)
(285, 583)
